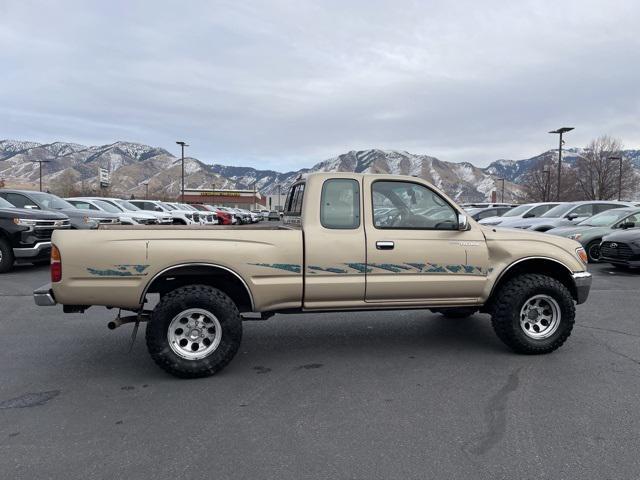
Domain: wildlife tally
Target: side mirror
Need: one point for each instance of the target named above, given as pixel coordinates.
(626, 225)
(32, 207)
(463, 222)
(157, 208)
(528, 215)
(572, 216)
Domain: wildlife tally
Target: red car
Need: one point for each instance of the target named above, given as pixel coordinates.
(224, 218)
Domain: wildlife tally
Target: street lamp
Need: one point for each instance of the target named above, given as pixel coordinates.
(619, 158)
(502, 195)
(182, 145)
(146, 194)
(41, 162)
(547, 186)
(560, 131)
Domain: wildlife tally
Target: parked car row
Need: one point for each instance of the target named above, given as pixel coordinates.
(608, 230)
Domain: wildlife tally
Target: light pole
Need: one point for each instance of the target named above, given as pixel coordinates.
(278, 197)
(182, 145)
(547, 186)
(146, 193)
(560, 131)
(502, 195)
(619, 158)
(41, 162)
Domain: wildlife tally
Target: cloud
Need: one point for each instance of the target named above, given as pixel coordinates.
(283, 84)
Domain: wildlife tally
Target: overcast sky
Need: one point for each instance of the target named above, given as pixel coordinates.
(284, 84)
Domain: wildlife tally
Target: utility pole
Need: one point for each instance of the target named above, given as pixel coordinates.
(619, 158)
(547, 186)
(182, 145)
(41, 162)
(560, 131)
(146, 194)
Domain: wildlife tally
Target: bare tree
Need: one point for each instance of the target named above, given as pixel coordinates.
(541, 185)
(64, 184)
(598, 175)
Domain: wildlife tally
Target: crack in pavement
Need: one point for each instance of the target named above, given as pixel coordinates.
(496, 417)
(609, 330)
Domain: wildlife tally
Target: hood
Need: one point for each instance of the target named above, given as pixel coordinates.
(506, 235)
(32, 214)
(625, 236)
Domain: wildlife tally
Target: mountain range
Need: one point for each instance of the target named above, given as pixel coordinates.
(133, 164)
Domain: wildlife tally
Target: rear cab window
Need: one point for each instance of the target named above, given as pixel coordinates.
(293, 206)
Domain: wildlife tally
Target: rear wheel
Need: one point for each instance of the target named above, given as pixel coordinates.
(6, 256)
(593, 251)
(533, 314)
(195, 331)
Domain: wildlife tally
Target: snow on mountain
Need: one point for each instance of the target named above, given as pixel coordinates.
(132, 164)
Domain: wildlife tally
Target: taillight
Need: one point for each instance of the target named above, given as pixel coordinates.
(56, 264)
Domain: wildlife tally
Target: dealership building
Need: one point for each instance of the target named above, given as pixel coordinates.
(247, 199)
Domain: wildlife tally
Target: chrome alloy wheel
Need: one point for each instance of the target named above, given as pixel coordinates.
(194, 334)
(540, 317)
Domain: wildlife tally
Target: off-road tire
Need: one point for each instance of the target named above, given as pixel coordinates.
(6, 256)
(461, 312)
(509, 301)
(588, 248)
(179, 300)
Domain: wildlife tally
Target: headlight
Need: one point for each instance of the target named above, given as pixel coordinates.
(582, 255)
(25, 222)
(575, 236)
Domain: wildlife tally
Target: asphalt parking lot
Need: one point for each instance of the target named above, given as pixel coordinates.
(355, 395)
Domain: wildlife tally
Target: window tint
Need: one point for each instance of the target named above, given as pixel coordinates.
(603, 207)
(487, 213)
(540, 209)
(82, 205)
(340, 204)
(585, 210)
(19, 201)
(408, 205)
(294, 201)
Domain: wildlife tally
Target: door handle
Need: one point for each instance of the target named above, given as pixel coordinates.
(385, 245)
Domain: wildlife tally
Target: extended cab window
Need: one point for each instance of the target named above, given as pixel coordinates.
(340, 204)
(294, 201)
(406, 205)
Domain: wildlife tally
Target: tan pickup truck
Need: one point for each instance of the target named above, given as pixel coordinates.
(348, 242)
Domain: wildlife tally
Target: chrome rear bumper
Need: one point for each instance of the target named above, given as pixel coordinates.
(43, 296)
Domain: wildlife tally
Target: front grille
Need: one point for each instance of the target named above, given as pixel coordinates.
(107, 221)
(616, 250)
(43, 229)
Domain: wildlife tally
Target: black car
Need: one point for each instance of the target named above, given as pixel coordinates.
(25, 235)
(622, 248)
(80, 219)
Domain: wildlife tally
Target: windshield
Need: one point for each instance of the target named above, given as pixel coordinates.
(168, 206)
(107, 207)
(51, 201)
(518, 211)
(558, 211)
(605, 219)
(5, 204)
(127, 205)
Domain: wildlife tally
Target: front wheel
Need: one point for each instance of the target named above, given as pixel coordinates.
(195, 331)
(593, 251)
(533, 314)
